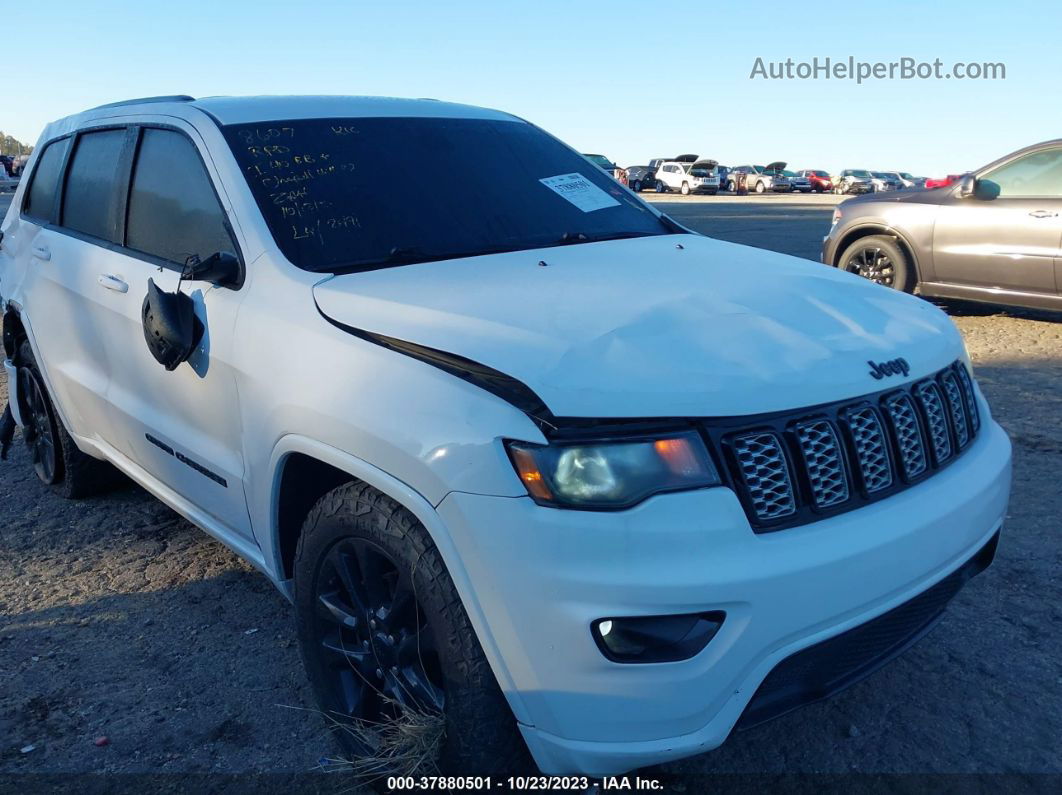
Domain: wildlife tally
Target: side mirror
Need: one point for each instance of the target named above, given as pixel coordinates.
(222, 269)
(967, 186)
(171, 328)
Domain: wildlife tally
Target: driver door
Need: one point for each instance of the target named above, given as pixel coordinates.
(183, 427)
(1008, 235)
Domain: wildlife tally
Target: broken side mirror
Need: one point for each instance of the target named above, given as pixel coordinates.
(222, 269)
(171, 328)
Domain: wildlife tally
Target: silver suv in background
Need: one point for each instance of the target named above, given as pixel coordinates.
(760, 179)
(853, 180)
(992, 236)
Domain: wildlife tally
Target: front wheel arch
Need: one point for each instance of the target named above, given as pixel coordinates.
(325, 458)
(877, 229)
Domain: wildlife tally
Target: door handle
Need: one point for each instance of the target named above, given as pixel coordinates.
(112, 283)
(1043, 214)
(42, 252)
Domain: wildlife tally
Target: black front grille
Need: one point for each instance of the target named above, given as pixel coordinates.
(792, 468)
(828, 667)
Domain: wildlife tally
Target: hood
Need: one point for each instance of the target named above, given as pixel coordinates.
(669, 326)
(685, 159)
(705, 164)
(777, 165)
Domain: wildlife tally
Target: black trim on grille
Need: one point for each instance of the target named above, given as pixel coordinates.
(903, 415)
(828, 667)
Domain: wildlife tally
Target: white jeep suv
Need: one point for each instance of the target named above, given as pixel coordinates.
(687, 175)
(525, 454)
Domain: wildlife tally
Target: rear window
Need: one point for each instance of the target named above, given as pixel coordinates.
(354, 194)
(88, 200)
(174, 213)
(40, 201)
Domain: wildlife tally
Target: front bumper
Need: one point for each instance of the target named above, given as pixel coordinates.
(544, 575)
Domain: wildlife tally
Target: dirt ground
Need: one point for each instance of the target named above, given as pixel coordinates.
(118, 619)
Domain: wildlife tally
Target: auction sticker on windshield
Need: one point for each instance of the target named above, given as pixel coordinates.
(579, 191)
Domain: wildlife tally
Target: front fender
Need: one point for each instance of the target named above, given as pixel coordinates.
(426, 515)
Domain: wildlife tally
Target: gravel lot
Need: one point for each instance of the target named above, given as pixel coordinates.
(119, 619)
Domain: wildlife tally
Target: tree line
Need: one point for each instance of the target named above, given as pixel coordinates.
(12, 146)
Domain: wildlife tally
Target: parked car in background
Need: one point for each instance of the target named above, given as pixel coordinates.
(20, 164)
(992, 235)
(724, 177)
(607, 166)
(7, 166)
(942, 182)
(882, 181)
(760, 179)
(906, 180)
(686, 176)
(798, 182)
(600, 514)
(820, 180)
(642, 177)
(853, 180)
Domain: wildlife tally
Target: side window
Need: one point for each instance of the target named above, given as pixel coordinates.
(88, 200)
(173, 211)
(1034, 174)
(40, 199)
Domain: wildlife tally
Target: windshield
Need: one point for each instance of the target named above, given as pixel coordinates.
(905, 175)
(881, 175)
(355, 194)
(858, 173)
(820, 173)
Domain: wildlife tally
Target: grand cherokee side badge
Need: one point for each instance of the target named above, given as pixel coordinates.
(892, 367)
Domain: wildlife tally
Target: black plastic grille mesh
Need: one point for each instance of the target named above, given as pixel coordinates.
(936, 419)
(953, 396)
(871, 448)
(766, 474)
(968, 394)
(909, 440)
(789, 468)
(821, 451)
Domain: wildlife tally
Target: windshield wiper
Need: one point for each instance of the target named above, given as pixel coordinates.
(571, 238)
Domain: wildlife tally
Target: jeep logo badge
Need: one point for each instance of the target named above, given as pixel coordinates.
(880, 370)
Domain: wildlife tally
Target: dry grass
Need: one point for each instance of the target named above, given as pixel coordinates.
(406, 745)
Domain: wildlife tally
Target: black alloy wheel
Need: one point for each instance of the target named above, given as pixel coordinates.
(39, 429)
(383, 655)
(872, 262)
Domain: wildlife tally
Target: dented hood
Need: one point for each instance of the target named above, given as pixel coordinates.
(669, 326)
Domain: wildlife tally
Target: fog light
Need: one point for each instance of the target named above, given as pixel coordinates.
(654, 639)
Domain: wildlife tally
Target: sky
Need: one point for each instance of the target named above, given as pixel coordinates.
(631, 80)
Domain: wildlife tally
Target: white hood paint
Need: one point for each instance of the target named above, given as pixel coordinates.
(643, 328)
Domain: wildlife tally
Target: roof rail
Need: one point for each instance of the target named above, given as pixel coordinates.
(145, 100)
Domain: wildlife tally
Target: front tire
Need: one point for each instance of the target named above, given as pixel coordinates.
(685, 189)
(384, 637)
(58, 462)
(760, 188)
(636, 186)
(661, 187)
(879, 259)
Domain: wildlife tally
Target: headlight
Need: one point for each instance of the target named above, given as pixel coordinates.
(612, 474)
